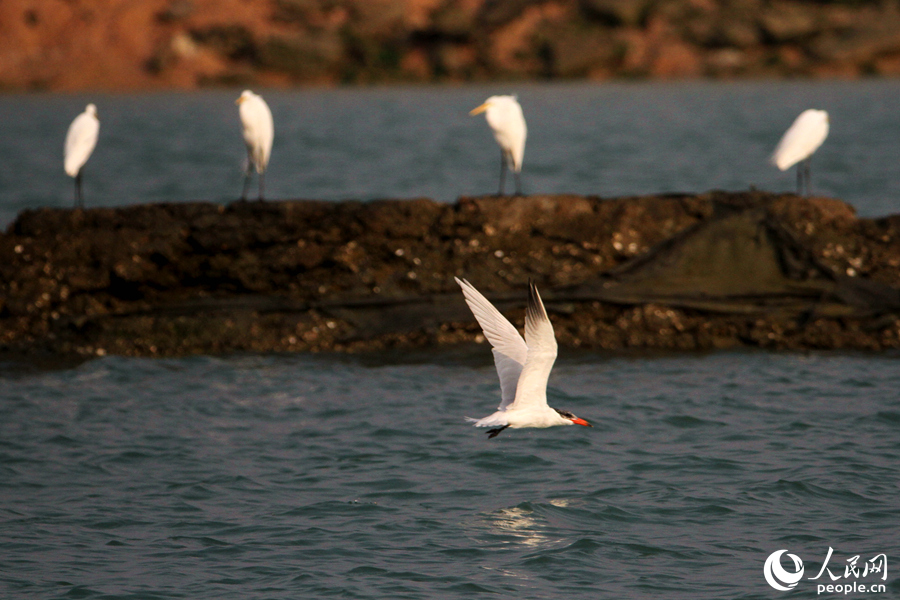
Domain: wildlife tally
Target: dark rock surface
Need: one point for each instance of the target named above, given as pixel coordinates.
(681, 272)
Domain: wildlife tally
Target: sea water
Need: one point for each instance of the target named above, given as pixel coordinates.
(356, 477)
(324, 476)
(610, 139)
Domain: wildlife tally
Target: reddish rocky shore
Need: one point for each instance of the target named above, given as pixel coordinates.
(675, 272)
(182, 44)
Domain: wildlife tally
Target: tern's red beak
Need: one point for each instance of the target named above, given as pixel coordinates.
(578, 421)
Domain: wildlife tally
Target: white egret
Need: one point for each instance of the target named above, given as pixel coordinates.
(259, 131)
(80, 141)
(504, 116)
(523, 364)
(799, 143)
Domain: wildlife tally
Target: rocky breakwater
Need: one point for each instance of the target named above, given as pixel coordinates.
(684, 272)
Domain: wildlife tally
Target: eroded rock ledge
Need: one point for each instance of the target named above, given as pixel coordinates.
(681, 272)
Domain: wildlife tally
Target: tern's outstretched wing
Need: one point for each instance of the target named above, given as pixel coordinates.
(509, 348)
(532, 387)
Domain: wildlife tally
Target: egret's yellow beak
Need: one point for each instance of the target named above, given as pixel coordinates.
(479, 109)
(240, 99)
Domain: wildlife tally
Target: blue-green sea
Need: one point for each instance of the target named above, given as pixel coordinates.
(332, 476)
(402, 142)
(356, 477)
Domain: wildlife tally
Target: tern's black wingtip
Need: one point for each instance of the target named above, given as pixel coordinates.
(535, 304)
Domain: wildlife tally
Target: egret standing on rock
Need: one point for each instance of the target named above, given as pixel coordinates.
(799, 143)
(504, 115)
(80, 142)
(259, 131)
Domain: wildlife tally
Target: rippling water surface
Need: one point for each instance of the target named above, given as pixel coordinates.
(610, 140)
(325, 476)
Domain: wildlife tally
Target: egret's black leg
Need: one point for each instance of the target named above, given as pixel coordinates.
(247, 177)
(79, 198)
(807, 177)
(518, 179)
(800, 179)
(502, 173)
(262, 177)
(495, 432)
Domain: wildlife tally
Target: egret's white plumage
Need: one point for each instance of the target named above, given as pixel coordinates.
(505, 118)
(80, 142)
(800, 141)
(523, 365)
(259, 132)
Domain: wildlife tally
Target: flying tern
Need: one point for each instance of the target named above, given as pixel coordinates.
(523, 364)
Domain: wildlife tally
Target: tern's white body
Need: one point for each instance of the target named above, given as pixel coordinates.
(523, 365)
